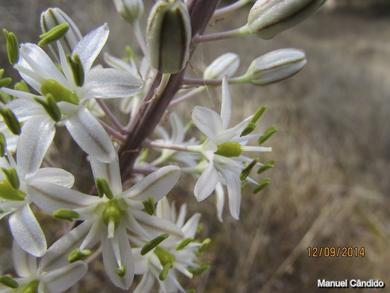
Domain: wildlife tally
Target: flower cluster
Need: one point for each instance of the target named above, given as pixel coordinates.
(128, 220)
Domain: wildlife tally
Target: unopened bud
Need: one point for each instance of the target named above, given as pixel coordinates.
(270, 17)
(225, 65)
(275, 66)
(55, 16)
(12, 46)
(169, 36)
(10, 120)
(130, 10)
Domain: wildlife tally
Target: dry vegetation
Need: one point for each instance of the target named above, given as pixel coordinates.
(330, 186)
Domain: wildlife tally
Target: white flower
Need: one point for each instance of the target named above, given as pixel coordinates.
(107, 219)
(34, 277)
(177, 137)
(223, 152)
(70, 94)
(15, 200)
(151, 265)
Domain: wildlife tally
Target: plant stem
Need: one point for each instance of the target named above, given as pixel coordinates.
(113, 132)
(220, 35)
(221, 12)
(117, 124)
(209, 82)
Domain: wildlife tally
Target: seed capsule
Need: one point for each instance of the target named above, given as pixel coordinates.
(169, 35)
(270, 17)
(225, 65)
(130, 10)
(275, 66)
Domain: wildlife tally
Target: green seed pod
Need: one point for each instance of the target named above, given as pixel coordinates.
(270, 17)
(130, 10)
(169, 36)
(275, 66)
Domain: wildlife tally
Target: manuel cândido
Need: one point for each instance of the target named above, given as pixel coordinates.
(352, 283)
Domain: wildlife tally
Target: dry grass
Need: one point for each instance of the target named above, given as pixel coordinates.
(330, 184)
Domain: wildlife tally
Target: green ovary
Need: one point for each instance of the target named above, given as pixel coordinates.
(229, 149)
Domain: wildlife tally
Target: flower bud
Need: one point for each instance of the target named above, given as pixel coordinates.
(169, 36)
(270, 17)
(130, 10)
(52, 17)
(275, 66)
(225, 65)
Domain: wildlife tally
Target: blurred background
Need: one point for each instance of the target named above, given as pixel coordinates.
(331, 182)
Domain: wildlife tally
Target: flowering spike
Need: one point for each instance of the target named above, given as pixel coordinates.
(58, 91)
(65, 214)
(245, 173)
(229, 149)
(169, 35)
(103, 188)
(50, 106)
(12, 177)
(183, 244)
(9, 282)
(153, 243)
(270, 17)
(265, 167)
(12, 46)
(149, 206)
(225, 65)
(78, 254)
(267, 134)
(77, 69)
(53, 34)
(262, 184)
(10, 120)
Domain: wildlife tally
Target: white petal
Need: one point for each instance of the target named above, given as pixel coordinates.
(205, 184)
(25, 264)
(109, 171)
(64, 63)
(189, 229)
(220, 200)
(53, 175)
(234, 192)
(111, 83)
(34, 141)
(90, 135)
(177, 128)
(50, 197)
(207, 121)
(182, 215)
(56, 255)
(234, 132)
(90, 46)
(226, 105)
(117, 63)
(156, 225)
(19, 94)
(117, 252)
(27, 232)
(146, 284)
(62, 279)
(155, 185)
(35, 59)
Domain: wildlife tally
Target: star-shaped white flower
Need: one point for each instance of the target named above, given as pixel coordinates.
(15, 200)
(107, 219)
(34, 276)
(71, 96)
(223, 151)
(183, 258)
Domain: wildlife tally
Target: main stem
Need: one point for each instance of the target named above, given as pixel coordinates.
(152, 110)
